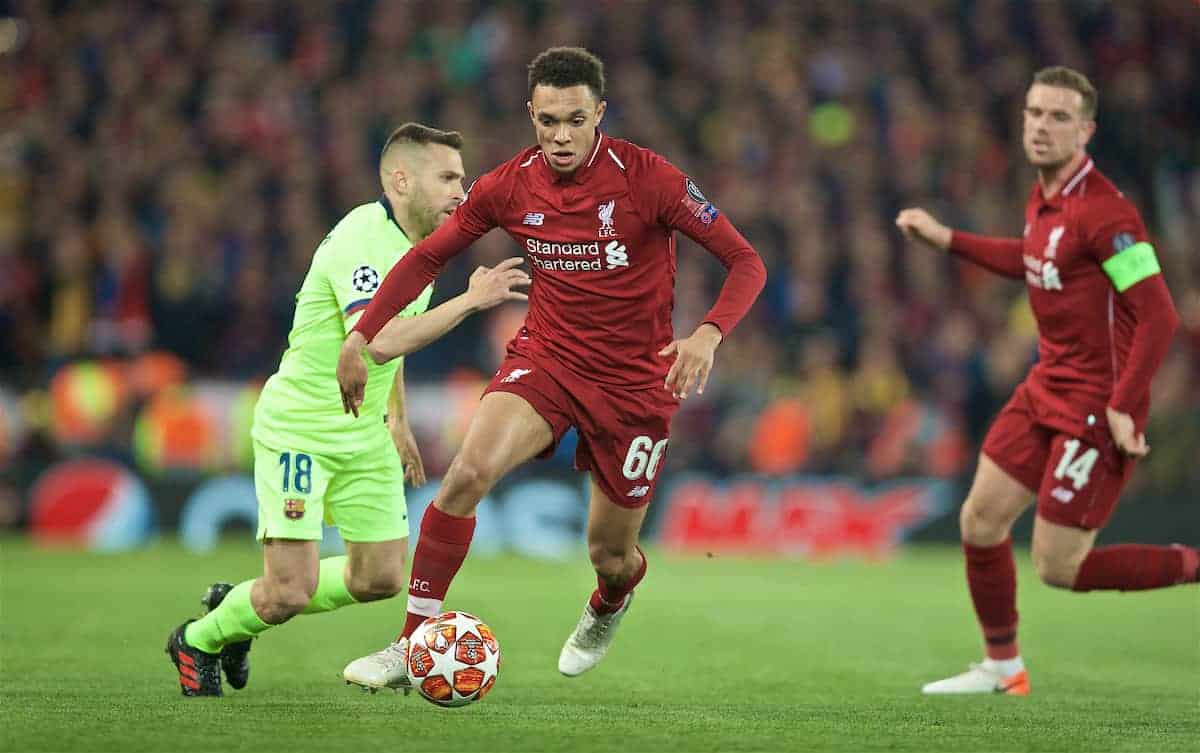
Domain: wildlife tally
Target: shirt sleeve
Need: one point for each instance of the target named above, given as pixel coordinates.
(1000, 255)
(351, 278)
(421, 265)
(1117, 239)
(677, 202)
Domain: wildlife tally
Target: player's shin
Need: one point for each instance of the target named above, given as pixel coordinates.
(441, 550)
(232, 621)
(992, 579)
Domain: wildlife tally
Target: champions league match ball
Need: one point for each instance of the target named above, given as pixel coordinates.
(453, 659)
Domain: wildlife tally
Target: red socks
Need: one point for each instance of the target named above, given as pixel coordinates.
(607, 599)
(441, 549)
(1137, 567)
(992, 579)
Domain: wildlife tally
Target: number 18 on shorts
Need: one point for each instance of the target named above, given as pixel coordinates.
(299, 492)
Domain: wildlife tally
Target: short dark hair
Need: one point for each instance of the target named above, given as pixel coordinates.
(415, 133)
(1069, 78)
(562, 67)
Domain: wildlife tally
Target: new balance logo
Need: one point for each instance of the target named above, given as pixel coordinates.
(615, 251)
(639, 492)
(534, 218)
(514, 375)
(1062, 495)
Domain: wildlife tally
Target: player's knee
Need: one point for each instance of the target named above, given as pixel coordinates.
(376, 586)
(1056, 569)
(466, 482)
(980, 523)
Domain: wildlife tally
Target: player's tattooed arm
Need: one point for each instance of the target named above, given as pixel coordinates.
(693, 360)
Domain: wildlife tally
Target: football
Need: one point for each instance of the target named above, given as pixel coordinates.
(453, 659)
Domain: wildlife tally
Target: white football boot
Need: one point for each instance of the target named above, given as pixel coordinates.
(383, 669)
(985, 677)
(589, 643)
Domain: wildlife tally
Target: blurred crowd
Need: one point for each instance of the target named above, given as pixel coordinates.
(170, 168)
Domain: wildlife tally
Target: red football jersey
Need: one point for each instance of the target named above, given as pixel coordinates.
(601, 251)
(1098, 346)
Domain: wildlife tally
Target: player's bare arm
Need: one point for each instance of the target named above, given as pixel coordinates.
(919, 225)
(402, 433)
(352, 372)
(693, 360)
(488, 288)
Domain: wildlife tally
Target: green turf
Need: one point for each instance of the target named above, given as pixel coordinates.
(718, 654)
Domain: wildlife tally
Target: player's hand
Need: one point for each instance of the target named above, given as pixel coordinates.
(491, 287)
(919, 225)
(352, 372)
(406, 446)
(693, 361)
(1122, 428)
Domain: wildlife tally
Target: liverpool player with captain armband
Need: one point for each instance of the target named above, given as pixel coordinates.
(1073, 430)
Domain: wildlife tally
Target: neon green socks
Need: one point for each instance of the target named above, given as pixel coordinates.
(331, 587)
(235, 619)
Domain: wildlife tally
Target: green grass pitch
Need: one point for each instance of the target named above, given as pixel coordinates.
(717, 654)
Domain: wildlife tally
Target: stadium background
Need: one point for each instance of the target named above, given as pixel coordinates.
(169, 170)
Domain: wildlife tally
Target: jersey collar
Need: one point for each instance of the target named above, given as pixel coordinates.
(387, 207)
(582, 172)
(1071, 187)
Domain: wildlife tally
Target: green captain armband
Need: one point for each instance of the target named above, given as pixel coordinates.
(1131, 266)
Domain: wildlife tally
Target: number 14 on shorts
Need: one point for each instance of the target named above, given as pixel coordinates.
(1078, 469)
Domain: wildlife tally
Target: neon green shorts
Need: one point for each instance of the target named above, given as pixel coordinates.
(362, 495)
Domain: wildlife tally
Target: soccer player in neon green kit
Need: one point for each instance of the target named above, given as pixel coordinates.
(314, 463)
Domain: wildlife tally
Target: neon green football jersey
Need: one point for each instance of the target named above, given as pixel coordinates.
(300, 406)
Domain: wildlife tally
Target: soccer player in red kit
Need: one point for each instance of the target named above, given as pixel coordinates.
(1073, 430)
(596, 218)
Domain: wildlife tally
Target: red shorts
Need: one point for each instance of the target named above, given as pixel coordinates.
(623, 434)
(1073, 466)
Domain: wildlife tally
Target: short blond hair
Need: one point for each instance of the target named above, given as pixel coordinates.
(1069, 78)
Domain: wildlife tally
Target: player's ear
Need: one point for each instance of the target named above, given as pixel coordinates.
(399, 180)
(600, 109)
(1089, 129)
(529, 107)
